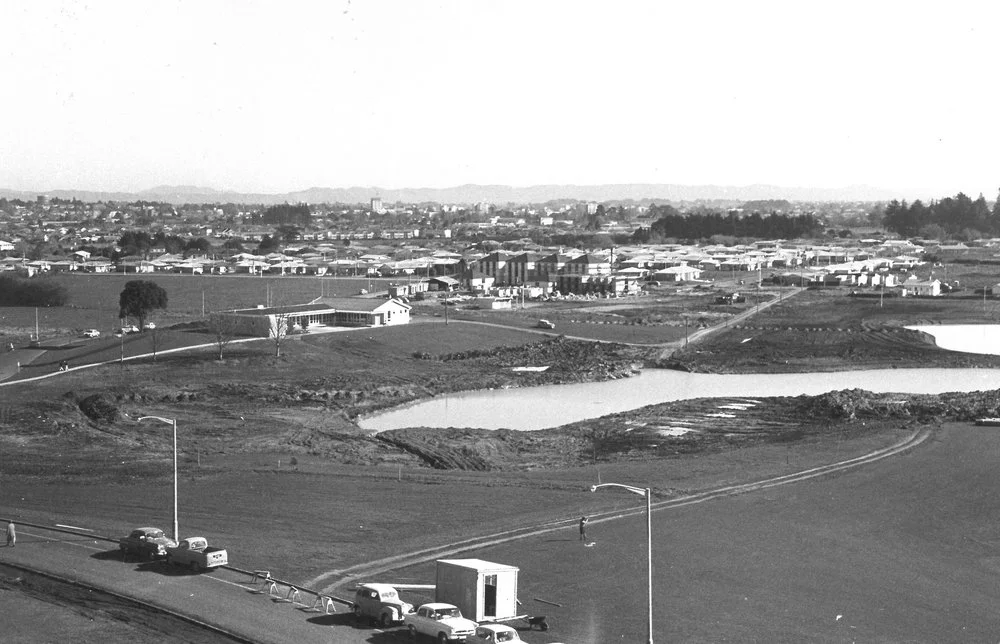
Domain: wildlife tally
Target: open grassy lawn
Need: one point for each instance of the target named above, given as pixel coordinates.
(93, 299)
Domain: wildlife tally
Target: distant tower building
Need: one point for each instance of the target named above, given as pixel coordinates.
(377, 206)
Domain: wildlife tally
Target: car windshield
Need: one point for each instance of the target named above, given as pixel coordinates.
(448, 612)
(506, 636)
(389, 594)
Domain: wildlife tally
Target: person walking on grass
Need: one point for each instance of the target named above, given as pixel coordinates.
(11, 535)
(583, 528)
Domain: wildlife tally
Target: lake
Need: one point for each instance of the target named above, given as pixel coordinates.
(533, 408)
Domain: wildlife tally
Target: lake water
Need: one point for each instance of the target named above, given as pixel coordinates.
(534, 408)
(967, 338)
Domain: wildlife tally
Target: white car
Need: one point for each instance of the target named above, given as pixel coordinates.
(494, 634)
(149, 326)
(91, 333)
(441, 621)
(129, 328)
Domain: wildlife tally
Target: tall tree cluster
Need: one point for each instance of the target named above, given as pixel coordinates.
(959, 216)
(672, 224)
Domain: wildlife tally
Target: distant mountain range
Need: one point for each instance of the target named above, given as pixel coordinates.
(470, 194)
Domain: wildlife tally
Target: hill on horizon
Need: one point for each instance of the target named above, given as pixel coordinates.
(474, 193)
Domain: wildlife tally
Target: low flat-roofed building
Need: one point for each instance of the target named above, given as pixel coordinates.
(267, 322)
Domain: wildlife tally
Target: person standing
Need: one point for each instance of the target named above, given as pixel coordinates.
(583, 528)
(11, 535)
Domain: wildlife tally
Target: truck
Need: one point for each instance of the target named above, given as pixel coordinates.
(443, 622)
(195, 553)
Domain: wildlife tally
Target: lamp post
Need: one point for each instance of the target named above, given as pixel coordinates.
(646, 492)
(173, 423)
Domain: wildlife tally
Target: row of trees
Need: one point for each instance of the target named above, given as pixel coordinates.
(673, 225)
(957, 216)
(138, 242)
(18, 291)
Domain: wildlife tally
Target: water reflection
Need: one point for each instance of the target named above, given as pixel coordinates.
(554, 405)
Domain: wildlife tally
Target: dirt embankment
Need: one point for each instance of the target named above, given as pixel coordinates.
(675, 429)
(302, 404)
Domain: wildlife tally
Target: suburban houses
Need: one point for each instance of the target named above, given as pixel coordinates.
(429, 248)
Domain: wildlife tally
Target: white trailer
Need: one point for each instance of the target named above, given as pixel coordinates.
(484, 591)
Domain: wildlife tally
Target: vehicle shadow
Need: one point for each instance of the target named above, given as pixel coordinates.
(114, 555)
(163, 568)
(395, 635)
(336, 619)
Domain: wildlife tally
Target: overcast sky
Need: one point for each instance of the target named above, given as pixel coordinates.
(281, 96)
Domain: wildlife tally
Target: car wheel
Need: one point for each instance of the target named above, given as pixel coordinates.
(413, 632)
(195, 566)
(170, 560)
(442, 638)
(386, 620)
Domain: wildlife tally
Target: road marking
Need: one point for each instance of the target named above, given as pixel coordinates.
(73, 527)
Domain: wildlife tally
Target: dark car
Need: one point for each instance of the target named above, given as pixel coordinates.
(145, 543)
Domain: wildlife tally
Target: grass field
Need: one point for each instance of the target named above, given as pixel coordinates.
(350, 498)
(93, 299)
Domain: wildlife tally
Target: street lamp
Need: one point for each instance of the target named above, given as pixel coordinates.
(646, 492)
(173, 423)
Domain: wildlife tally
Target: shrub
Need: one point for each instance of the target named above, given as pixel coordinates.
(98, 407)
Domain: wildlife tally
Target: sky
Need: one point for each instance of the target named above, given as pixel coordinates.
(280, 96)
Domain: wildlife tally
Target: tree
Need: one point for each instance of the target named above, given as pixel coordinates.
(198, 246)
(155, 340)
(139, 298)
(268, 244)
(223, 328)
(279, 330)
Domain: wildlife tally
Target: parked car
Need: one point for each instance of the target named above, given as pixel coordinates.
(128, 328)
(146, 543)
(380, 603)
(91, 333)
(545, 324)
(494, 634)
(441, 621)
(195, 553)
(149, 326)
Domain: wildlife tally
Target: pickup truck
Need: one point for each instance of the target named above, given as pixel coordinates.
(195, 553)
(444, 622)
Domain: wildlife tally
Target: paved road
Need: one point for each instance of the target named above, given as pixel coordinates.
(221, 598)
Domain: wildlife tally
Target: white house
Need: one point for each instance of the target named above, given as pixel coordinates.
(677, 274)
(931, 288)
